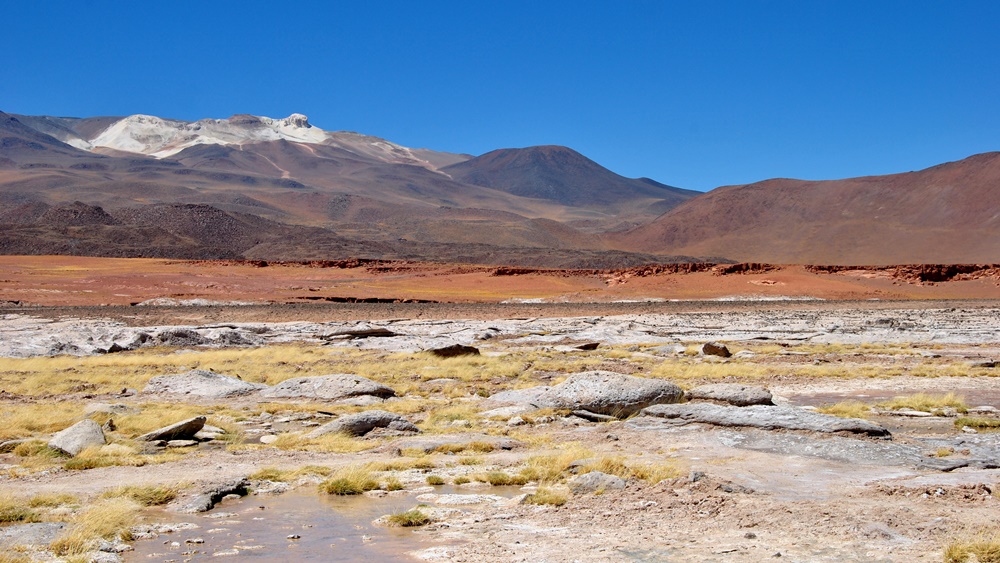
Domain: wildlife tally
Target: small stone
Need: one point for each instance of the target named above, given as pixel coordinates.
(750, 536)
(194, 540)
(293, 537)
(969, 430)
(516, 421)
(268, 439)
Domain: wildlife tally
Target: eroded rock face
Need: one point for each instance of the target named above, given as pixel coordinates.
(731, 393)
(329, 387)
(201, 383)
(364, 422)
(78, 437)
(183, 430)
(766, 417)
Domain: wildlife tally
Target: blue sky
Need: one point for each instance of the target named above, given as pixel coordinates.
(693, 94)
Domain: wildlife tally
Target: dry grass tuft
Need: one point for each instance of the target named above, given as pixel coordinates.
(16, 510)
(328, 443)
(978, 423)
(350, 480)
(144, 495)
(410, 518)
(548, 495)
(846, 409)
(105, 519)
(926, 402)
(985, 549)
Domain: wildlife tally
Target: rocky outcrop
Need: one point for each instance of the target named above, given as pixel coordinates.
(78, 437)
(364, 422)
(328, 387)
(765, 417)
(732, 394)
(201, 383)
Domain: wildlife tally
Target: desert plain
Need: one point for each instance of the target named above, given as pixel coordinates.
(471, 413)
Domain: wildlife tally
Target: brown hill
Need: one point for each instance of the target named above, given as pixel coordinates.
(562, 175)
(945, 214)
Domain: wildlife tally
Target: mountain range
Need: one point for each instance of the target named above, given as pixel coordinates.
(282, 189)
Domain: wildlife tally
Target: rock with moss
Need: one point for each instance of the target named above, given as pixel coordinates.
(78, 437)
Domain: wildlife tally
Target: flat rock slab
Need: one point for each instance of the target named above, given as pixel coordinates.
(601, 392)
(765, 417)
(468, 440)
(731, 393)
(78, 437)
(201, 383)
(459, 499)
(361, 423)
(183, 430)
(330, 387)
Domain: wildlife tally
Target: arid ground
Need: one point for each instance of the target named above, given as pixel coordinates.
(493, 475)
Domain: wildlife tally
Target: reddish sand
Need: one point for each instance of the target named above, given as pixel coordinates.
(69, 280)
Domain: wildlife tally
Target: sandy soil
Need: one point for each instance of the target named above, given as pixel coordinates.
(68, 280)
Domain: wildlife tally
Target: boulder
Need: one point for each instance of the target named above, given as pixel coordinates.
(201, 383)
(595, 481)
(183, 430)
(765, 417)
(328, 387)
(610, 393)
(78, 437)
(454, 351)
(213, 492)
(715, 349)
(364, 422)
(731, 393)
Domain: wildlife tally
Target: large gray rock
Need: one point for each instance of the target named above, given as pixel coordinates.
(607, 392)
(183, 430)
(78, 437)
(766, 417)
(201, 383)
(731, 393)
(601, 392)
(329, 387)
(595, 481)
(361, 423)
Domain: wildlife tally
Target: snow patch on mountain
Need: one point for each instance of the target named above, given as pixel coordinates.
(160, 138)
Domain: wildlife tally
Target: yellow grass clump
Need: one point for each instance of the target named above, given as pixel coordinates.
(105, 519)
(846, 409)
(926, 402)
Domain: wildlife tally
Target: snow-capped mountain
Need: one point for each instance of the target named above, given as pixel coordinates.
(163, 138)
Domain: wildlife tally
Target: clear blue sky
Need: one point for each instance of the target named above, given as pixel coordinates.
(695, 94)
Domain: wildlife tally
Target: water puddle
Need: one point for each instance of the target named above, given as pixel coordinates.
(300, 525)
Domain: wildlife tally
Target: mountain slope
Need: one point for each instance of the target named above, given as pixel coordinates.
(562, 175)
(944, 214)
